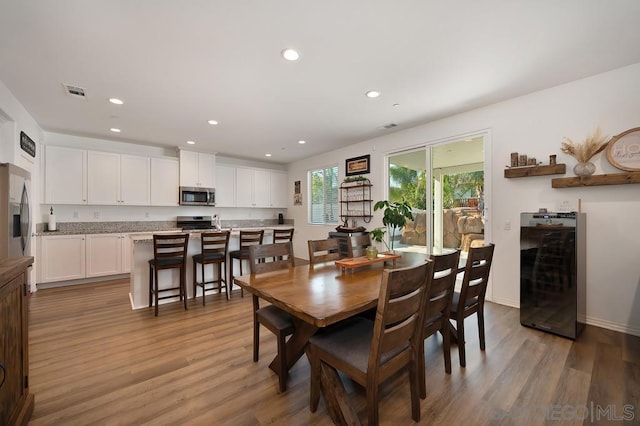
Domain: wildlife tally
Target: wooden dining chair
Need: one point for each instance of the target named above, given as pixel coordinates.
(357, 244)
(438, 308)
(271, 317)
(321, 251)
(169, 252)
(246, 239)
(282, 235)
(470, 299)
(370, 352)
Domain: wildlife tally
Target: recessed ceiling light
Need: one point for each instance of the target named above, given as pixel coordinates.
(290, 54)
(267, 155)
(191, 142)
(115, 130)
(396, 105)
(372, 94)
(302, 142)
(213, 122)
(116, 101)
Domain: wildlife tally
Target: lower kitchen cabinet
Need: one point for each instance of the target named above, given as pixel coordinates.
(70, 257)
(62, 257)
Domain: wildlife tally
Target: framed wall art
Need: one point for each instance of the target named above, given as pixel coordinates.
(623, 150)
(357, 165)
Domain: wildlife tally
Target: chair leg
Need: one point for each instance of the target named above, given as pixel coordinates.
(241, 289)
(155, 289)
(150, 285)
(183, 285)
(372, 401)
(414, 386)
(223, 266)
(195, 278)
(230, 286)
(480, 314)
(446, 347)
(314, 392)
(460, 336)
(256, 330)
(421, 370)
(282, 353)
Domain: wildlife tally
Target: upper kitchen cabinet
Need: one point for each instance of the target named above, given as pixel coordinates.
(65, 175)
(118, 179)
(260, 188)
(197, 169)
(278, 189)
(226, 186)
(165, 174)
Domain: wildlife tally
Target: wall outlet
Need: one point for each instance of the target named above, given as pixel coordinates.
(567, 205)
(146, 215)
(75, 215)
(96, 215)
(507, 225)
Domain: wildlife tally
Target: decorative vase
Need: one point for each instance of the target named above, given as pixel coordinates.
(371, 252)
(584, 169)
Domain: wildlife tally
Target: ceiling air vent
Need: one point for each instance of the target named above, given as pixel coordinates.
(75, 91)
(390, 126)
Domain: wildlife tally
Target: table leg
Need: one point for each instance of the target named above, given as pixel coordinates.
(335, 397)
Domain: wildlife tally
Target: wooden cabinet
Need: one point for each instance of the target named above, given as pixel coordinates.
(225, 185)
(118, 179)
(278, 189)
(165, 179)
(70, 257)
(65, 175)
(197, 169)
(62, 257)
(16, 403)
(260, 188)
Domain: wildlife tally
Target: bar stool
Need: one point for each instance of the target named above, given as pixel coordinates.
(247, 238)
(282, 236)
(169, 252)
(213, 251)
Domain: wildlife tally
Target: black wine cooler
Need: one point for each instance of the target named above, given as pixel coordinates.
(553, 272)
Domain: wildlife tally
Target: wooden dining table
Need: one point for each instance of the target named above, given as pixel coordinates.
(320, 296)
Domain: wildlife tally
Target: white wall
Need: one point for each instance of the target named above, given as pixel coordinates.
(534, 124)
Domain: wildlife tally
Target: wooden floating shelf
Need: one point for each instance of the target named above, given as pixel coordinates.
(596, 180)
(525, 171)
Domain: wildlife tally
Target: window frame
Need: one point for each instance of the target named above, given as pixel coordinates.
(330, 211)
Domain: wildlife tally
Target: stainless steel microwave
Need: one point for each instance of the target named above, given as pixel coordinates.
(193, 196)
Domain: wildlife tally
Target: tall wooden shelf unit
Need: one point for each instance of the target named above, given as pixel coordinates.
(355, 200)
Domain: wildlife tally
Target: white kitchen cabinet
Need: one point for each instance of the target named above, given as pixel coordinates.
(252, 187)
(197, 169)
(165, 175)
(63, 257)
(278, 189)
(225, 186)
(103, 254)
(118, 179)
(65, 175)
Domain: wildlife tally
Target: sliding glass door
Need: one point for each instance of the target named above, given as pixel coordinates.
(449, 210)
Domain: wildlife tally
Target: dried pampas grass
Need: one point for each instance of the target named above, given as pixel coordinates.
(585, 151)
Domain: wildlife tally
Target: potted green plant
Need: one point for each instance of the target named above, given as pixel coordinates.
(377, 235)
(395, 216)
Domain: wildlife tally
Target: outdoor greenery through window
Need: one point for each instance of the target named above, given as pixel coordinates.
(323, 207)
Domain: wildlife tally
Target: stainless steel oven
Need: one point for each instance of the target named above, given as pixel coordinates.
(196, 196)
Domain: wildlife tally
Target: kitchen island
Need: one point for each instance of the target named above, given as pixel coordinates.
(142, 251)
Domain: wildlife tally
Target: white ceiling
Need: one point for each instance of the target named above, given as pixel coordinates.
(177, 64)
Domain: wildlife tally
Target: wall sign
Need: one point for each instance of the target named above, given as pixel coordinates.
(623, 150)
(27, 144)
(357, 165)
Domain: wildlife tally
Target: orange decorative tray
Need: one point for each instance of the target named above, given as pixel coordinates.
(356, 262)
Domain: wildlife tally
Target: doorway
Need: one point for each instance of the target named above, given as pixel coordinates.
(449, 211)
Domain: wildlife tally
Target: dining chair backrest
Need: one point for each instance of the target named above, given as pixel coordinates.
(282, 235)
(170, 249)
(213, 243)
(282, 253)
(249, 238)
(476, 276)
(445, 269)
(321, 251)
(357, 244)
(398, 328)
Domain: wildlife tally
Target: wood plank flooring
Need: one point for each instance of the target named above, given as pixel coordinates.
(94, 361)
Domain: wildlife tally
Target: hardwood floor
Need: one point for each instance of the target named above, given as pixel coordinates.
(94, 361)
